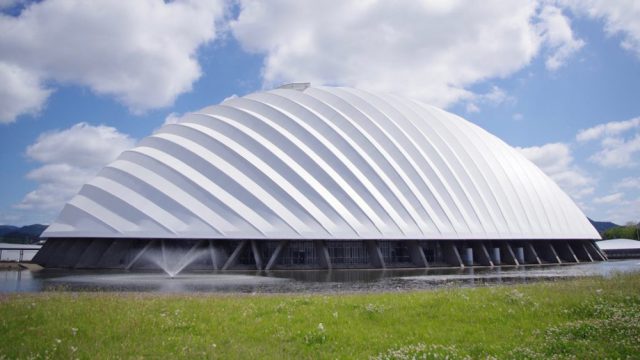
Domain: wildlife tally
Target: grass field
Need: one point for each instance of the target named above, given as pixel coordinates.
(590, 318)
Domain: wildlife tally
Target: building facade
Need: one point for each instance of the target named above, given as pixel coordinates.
(319, 177)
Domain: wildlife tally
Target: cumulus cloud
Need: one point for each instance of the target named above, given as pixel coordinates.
(625, 211)
(609, 129)
(69, 158)
(620, 17)
(429, 50)
(628, 183)
(556, 161)
(172, 118)
(618, 152)
(609, 199)
(556, 32)
(21, 93)
(618, 144)
(143, 52)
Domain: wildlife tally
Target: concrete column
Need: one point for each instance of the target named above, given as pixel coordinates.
(139, 254)
(43, 255)
(375, 254)
(595, 251)
(417, 254)
(276, 254)
(604, 255)
(554, 253)
(233, 258)
(114, 256)
(519, 251)
(451, 254)
(508, 255)
(187, 256)
(56, 259)
(255, 249)
(73, 253)
(218, 254)
(580, 251)
(468, 256)
(322, 251)
(482, 254)
(92, 255)
(530, 254)
(497, 259)
(565, 252)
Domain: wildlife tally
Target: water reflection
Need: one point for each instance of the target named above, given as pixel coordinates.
(300, 281)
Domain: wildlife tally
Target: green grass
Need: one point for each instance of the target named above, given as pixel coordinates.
(591, 318)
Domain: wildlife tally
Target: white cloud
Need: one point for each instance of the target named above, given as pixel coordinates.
(617, 149)
(625, 211)
(628, 183)
(172, 118)
(609, 129)
(619, 16)
(472, 108)
(69, 158)
(609, 199)
(21, 93)
(431, 51)
(141, 52)
(618, 152)
(518, 117)
(556, 161)
(556, 32)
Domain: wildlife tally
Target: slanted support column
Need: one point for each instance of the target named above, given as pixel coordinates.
(139, 254)
(482, 254)
(586, 251)
(255, 249)
(276, 254)
(508, 256)
(73, 253)
(93, 253)
(375, 254)
(187, 257)
(594, 249)
(324, 259)
(580, 251)
(417, 254)
(554, 254)
(56, 259)
(233, 258)
(43, 256)
(113, 256)
(218, 255)
(566, 253)
(530, 254)
(451, 254)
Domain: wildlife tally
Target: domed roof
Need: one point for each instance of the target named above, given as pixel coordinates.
(322, 163)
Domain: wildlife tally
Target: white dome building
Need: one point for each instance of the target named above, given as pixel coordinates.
(303, 176)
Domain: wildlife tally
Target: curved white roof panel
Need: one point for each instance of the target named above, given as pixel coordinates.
(322, 163)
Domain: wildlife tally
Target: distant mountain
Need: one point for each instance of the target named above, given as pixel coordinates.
(22, 235)
(4, 229)
(603, 226)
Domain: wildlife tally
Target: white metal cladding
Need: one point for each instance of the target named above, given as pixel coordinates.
(322, 163)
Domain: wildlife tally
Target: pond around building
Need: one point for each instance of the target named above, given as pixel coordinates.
(299, 281)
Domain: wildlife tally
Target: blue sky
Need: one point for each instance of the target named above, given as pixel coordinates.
(82, 81)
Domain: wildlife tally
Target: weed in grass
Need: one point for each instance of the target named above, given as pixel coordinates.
(316, 336)
(422, 352)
